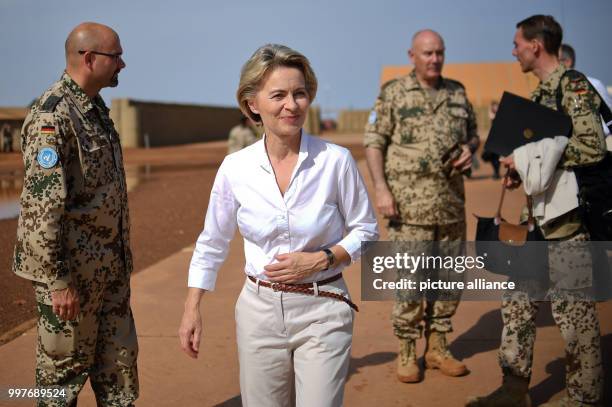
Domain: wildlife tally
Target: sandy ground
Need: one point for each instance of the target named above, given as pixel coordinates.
(171, 199)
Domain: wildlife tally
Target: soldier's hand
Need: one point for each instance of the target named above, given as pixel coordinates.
(385, 203)
(65, 303)
(190, 331)
(508, 162)
(464, 162)
(512, 181)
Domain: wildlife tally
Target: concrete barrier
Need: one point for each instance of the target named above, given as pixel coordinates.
(352, 121)
(166, 124)
(156, 124)
(313, 120)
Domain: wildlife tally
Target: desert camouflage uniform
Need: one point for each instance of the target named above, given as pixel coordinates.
(239, 138)
(574, 314)
(74, 230)
(415, 134)
(407, 312)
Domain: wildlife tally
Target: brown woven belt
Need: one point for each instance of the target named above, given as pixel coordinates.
(306, 288)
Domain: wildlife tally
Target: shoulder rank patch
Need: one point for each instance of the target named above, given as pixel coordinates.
(454, 84)
(50, 103)
(47, 157)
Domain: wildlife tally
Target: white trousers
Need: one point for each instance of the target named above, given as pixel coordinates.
(293, 349)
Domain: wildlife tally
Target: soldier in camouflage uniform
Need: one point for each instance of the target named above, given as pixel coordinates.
(240, 136)
(536, 46)
(419, 139)
(73, 232)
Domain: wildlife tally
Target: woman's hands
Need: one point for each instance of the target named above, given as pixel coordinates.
(294, 267)
(190, 330)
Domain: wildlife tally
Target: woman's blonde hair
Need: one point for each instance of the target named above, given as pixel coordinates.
(264, 61)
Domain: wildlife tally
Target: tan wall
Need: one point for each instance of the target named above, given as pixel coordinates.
(15, 126)
(171, 124)
(164, 123)
(312, 124)
(352, 121)
(14, 118)
(483, 82)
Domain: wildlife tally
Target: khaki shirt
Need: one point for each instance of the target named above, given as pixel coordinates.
(239, 138)
(74, 209)
(415, 133)
(586, 145)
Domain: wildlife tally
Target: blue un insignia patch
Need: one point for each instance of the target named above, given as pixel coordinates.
(47, 157)
(372, 117)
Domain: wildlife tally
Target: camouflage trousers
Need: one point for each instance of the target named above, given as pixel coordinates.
(100, 344)
(576, 317)
(409, 314)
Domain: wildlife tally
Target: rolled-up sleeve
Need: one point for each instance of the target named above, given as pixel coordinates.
(473, 141)
(354, 204)
(43, 204)
(379, 127)
(587, 145)
(213, 243)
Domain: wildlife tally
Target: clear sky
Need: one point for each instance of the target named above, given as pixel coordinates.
(191, 51)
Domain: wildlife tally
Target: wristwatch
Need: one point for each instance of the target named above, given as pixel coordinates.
(330, 258)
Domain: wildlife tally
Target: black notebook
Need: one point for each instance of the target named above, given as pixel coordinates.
(520, 121)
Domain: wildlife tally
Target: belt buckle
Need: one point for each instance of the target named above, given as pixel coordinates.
(275, 287)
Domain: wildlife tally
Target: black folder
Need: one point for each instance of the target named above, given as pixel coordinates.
(520, 121)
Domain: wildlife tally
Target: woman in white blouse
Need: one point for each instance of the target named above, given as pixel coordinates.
(303, 210)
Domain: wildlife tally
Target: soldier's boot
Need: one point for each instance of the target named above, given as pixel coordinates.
(438, 356)
(407, 367)
(514, 392)
(568, 402)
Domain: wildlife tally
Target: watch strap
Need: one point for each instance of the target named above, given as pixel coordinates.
(330, 258)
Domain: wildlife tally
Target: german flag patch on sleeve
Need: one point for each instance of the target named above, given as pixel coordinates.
(47, 130)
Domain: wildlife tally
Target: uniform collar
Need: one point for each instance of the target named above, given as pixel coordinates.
(411, 82)
(550, 85)
(264, 161)
(84, 102)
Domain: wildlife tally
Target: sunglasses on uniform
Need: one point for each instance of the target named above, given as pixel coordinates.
(106, 54)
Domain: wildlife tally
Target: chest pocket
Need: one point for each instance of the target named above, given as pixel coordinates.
(97, 161)
(411, 125)
(458, 120)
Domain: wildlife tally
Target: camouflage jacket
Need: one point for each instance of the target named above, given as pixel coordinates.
(74, 212)
(415, 134)
(586, 145)
(239, 138)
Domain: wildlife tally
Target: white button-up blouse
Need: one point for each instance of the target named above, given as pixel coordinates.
(325, 204)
